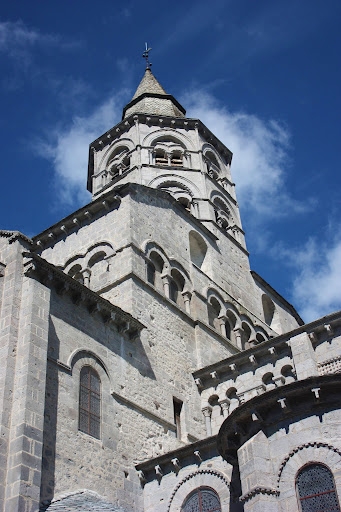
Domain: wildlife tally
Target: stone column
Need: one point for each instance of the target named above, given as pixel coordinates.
(166, 281)
(222, 320)
(207, 412)
(86, 277)
(187, 300)
(27, 419)
(238, 335)
(225, 405)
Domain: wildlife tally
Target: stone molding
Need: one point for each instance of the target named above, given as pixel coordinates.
(51, 276)
(313, 444)
(209, 472)
(316, 394)
(73, 222)
(258, 490)
(15, 235)
(281, 342)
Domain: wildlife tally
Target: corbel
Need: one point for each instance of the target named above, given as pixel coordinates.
(329, 329)
(198, 455)
(158, 471)
(141, 476)
(176, 463)
(253, 360)
(316, 392)
(199, 383)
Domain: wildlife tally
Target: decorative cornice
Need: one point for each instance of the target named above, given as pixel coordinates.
(263, 349)
(301, 398)
(35, 266)
(74, 221)
(15, 235)
(258, 490)
(197, 449)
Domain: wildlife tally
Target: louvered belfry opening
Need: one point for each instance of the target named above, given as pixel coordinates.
(202, 499)
(90, 402)
(316, 489)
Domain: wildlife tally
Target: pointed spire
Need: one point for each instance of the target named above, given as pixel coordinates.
(148, 84)
(150, 98)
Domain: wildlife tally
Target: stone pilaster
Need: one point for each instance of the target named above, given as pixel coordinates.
(27, 419)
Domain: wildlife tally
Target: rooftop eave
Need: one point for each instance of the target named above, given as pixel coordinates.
(153, 95)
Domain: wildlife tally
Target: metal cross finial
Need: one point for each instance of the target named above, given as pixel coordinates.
(145, 55)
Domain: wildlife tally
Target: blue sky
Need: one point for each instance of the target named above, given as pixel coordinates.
(264, 76)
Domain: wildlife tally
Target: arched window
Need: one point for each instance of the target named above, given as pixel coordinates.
(119, 161)
(316, 489)
(154, 270)
(76, 273)
(202, 499)
(176, 286)
(90, 402)
(213, 309)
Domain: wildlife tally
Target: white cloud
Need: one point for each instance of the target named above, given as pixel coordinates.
(17, 41)
(261, 154)
(67, 149)
(317, 270)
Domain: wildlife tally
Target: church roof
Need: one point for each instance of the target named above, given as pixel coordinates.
(151, 98)
(82, 501)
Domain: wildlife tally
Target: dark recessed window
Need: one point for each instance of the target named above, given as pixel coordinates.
(177, 407)
(90, 402)
(316, 489)
(202, 499)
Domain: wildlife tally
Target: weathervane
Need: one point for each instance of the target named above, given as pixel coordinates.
(145, 55)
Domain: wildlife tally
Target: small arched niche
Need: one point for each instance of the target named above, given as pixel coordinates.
(197, 249)
(154, 270)
(214, 308)
(176, 286)
(270, 312)
(76, 273)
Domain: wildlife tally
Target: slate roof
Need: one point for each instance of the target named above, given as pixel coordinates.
(83, 500)
(148, 84)
(150, 98)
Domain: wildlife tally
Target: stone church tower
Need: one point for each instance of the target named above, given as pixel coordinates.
(145, 367)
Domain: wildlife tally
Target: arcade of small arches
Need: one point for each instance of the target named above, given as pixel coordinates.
(220, 401)
(164, 150)
(238, 328)
(89, 268)
(168, 277)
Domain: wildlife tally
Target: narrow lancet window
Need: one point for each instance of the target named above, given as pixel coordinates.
(90, 402)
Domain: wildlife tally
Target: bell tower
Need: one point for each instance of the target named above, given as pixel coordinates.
(156, 145)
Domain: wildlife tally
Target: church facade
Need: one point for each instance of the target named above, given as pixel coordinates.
(145, 367)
